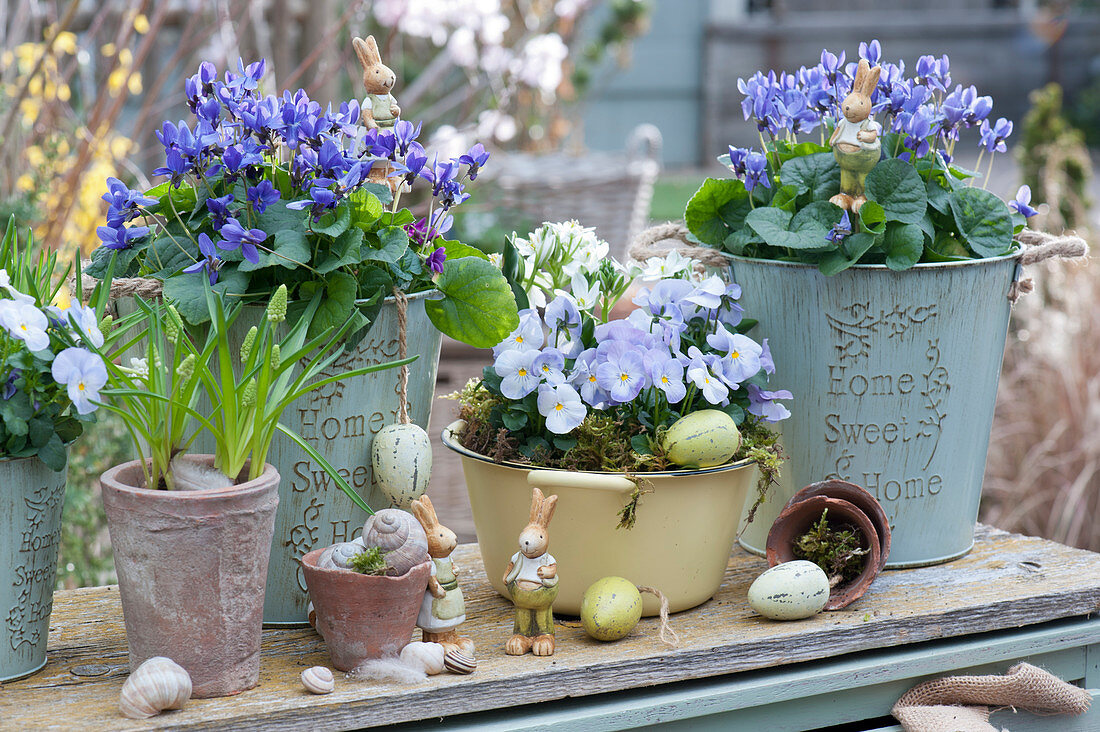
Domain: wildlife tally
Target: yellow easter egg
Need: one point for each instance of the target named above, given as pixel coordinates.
(610, 608)
(702, 439)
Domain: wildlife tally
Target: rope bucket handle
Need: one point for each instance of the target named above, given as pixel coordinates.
(1036, 246)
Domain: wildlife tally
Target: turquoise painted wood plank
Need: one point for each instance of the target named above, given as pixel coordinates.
(807, 695)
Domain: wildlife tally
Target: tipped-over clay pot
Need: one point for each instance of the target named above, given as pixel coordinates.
(361, 616)
(797, 518)
(861, 499)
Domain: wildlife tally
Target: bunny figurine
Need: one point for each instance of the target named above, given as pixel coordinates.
(532, 581)
(443, 608)
(380, 110)
(855, 141)
(379, 107)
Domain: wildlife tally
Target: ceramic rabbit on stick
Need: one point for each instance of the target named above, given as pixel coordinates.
(443, 608)
(532, 581)
(380, 108)
(855, 141)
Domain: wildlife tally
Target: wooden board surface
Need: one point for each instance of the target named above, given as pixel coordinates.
(1006, 582)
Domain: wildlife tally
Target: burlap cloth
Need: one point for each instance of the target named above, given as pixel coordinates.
(963, 703)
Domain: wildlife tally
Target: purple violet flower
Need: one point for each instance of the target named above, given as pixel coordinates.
(436, 259)
(120, 237)
(993, 138)
(840, 230)
(262, 195)
(475, 158)
(756, 171)
(238, 237)
(123, 204)
(210, 261)
(219, 209)
(1022, 203)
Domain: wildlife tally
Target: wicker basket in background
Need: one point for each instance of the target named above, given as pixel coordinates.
(609, 191)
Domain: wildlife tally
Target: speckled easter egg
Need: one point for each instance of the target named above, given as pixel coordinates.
(790, 591)
(610, 608)
(702, 439)
(401, 457)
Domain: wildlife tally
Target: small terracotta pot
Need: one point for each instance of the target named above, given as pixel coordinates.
(192, 568)
(858, 497)
(797, 518)
(361, 616)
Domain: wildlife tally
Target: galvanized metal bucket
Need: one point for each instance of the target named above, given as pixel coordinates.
(31, 499)
(894, 376)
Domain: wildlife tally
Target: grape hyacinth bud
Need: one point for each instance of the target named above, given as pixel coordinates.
(172, 325)
(186, 368)
(249, 340)
(276, 357)
(105, 325)
(248, 398)
(276, 310)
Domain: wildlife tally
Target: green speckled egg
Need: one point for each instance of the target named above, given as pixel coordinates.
(702, 439)
(401, 457)
(790, 591)
(610, 608)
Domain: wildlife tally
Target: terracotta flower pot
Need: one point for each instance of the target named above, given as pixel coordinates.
(192, 567)
(797, 518)
(859, 498)
(361, 616)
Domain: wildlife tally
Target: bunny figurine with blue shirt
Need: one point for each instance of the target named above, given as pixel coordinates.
(856, 142)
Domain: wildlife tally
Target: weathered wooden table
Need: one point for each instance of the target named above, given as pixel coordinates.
(1012, 598)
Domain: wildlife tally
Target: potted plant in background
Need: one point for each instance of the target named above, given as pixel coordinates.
(649, 428)
(264, 191)
(191, 533)
(883, 275)
(49, 380)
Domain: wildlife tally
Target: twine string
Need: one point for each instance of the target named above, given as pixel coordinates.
(668, 635)
(1038, 246)
(402, 352)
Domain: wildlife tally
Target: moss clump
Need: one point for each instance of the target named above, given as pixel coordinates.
(837, 549)
(371, 561)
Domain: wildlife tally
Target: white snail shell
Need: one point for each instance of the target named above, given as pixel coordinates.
(425, 656)
(157, 684)
(401, 460)
(400, 537)
(458, 662)
(338, 556)
(318, 680)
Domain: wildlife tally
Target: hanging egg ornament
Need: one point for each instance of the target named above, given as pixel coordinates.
(610, 608)
(401, 457)
(702, 439)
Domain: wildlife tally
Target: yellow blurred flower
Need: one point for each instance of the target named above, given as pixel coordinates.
(141, 23)
(66, 43)
(107, 49)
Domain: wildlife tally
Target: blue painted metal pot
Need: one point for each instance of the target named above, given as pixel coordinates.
(894, 376)
(31, 499)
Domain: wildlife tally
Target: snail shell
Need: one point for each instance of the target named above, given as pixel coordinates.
(400, 536)
(158, 684)
(318, 680)
(425, 656)
(458, 662)
(338, 556)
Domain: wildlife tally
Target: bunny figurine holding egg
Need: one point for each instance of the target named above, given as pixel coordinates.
(855, 141)
(443, 608)
(532, 581)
